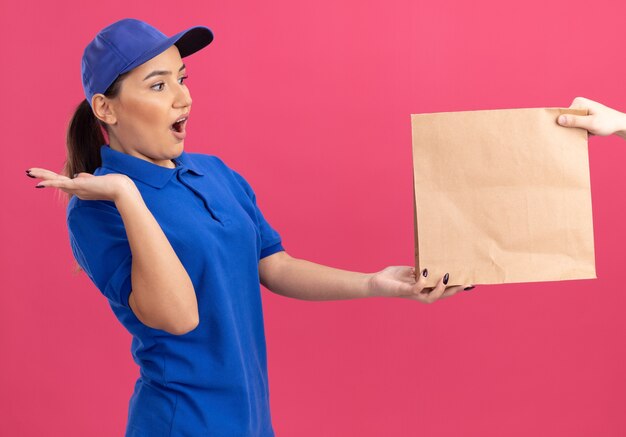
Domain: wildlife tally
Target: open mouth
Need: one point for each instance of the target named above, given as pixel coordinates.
(179, 126)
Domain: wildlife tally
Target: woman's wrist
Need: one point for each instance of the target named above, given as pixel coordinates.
(621, 132)
(126, 191)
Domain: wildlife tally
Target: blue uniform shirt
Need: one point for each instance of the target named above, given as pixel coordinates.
(211, 381)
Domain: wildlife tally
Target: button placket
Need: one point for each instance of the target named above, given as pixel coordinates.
(217, 217)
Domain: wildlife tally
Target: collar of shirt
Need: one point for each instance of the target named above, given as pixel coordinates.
(145, 171)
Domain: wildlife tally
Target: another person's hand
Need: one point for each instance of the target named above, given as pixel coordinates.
(601, 120)
(85, 185)
(400, 281)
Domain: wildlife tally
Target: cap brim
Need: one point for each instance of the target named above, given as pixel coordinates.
(188, 41)
(193, 39)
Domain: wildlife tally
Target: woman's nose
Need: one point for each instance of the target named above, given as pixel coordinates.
(183, 97)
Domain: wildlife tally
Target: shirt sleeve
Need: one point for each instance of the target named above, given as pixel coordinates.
(100, 246)
(271, 241)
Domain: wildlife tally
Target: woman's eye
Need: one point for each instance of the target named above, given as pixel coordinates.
(161, 83)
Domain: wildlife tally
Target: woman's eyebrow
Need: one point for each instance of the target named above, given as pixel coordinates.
(161, 72)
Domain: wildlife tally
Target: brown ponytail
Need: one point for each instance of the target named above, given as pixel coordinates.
(85, 135)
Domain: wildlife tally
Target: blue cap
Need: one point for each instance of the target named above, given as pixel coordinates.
(127, 43)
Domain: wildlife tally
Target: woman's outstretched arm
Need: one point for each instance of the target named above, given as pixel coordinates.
(301, 279)
(306, 280)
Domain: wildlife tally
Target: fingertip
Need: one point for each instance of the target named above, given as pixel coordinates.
(439, 288)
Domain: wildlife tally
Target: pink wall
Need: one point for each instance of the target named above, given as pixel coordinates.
(312, 101)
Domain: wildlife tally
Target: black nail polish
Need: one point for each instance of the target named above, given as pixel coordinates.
(40, 186)
(29, 175)
(445, 278)
(425, 272)
(469, 288)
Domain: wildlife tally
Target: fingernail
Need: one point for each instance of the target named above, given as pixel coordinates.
(28, 174)
(445, 278)
(40, 186)
(425, 272)
(75, 174)
(469, 288)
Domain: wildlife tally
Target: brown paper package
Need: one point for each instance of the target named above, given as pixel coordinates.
(501, 196)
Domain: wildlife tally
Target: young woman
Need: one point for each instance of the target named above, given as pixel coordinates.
(177, 244)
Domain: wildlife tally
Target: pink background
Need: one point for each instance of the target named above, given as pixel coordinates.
(312, 102)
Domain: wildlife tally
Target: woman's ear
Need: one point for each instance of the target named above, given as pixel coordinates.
(103, 109)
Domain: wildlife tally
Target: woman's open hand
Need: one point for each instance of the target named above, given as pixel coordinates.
(400, 281)
(85, 185)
